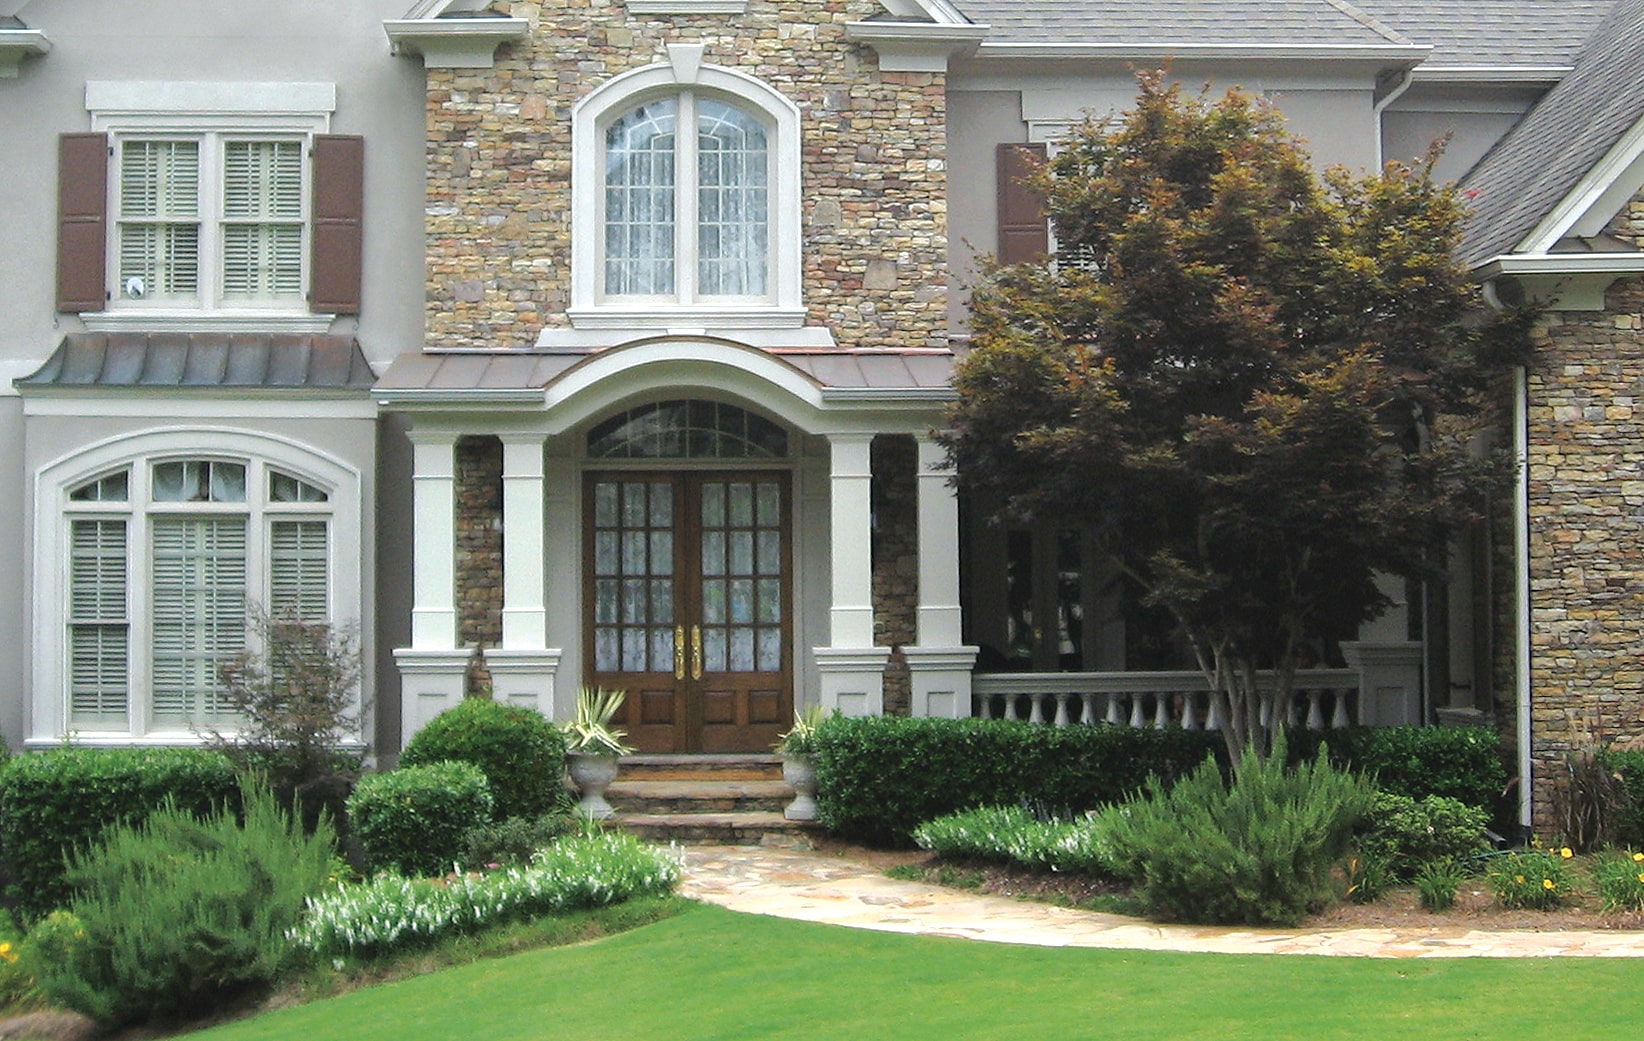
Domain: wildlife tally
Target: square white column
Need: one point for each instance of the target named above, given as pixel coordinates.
(524, 614)
(852, 668)
(939, 665)
(434, 531)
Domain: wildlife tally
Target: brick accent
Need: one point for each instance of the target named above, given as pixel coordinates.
(894, 460)
(873, 185)
(1586, 514)
(479, 550)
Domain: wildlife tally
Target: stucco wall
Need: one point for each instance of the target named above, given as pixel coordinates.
(873, 193)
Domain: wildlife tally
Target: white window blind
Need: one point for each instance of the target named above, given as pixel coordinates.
(199, 589)
(159, 219)
(262, 219)
(299, 570)
(99, 685)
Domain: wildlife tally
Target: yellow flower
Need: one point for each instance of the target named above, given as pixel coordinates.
(1548, 883)
(1566, 852)
(1638, 856)
(1641, 878)
(1519, 879)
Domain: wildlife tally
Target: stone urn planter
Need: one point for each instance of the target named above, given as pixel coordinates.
(799, 771)
(592, 774)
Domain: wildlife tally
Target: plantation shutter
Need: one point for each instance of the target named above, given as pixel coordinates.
(159, 219)
(199, 612)
(339, 205)
(99, 683)
(262, 219)
(299, 569)
(82, 216)
(1023, 231)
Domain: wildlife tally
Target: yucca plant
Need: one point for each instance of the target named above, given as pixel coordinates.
(590, 731)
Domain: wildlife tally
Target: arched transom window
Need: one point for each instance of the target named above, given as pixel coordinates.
(687, 430)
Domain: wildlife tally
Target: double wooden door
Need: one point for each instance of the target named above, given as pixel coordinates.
(688, 606)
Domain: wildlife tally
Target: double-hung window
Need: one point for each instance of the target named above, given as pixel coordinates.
(166, 557)
(210, 205)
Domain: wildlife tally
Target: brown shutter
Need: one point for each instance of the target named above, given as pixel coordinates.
(82, 222)
(339, 203)
(1023, 232)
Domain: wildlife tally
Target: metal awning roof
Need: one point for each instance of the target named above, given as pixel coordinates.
(203, 361)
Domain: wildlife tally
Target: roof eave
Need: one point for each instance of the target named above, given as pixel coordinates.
(917, 46)
(454, 43)
(1534, 75)
(17, 44)
(1383, 55)
(1559, 281)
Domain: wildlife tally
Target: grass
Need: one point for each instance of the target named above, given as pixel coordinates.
(712, 974)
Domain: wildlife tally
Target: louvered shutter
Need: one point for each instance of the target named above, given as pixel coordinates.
(99, 673)
(82, 210)
(338, 234)
(262, 219)
(199, 612)
(1023, 231)
(299, 570)
(159, 219)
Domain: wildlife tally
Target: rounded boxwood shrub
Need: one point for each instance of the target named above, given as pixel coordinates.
(521, 753)
(415, 820)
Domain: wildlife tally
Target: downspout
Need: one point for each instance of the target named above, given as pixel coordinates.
(1521, 583)
(1393, 95)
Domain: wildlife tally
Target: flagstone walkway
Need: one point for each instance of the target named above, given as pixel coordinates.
(820, 887)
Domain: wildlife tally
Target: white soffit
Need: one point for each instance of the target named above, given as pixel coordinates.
(17, 44)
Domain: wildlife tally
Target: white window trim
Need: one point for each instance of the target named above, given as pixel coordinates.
(211, 111)
(784, 308)
(50, 721)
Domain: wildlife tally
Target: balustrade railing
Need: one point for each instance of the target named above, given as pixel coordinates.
(1321, 698)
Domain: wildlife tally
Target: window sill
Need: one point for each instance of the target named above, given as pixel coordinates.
(301, 322)
(664, 319)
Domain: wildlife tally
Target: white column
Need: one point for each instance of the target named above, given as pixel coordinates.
(433, 668)
(1389, 682)
(852, 668)
(434, 529)
(523, 667)
(939, 665)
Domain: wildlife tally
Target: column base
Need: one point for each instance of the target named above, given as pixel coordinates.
(853, 679)
(431, 681)
(1389, 682)
(524, 677)
(941, 680)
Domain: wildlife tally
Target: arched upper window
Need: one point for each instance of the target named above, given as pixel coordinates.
(685, 201)
(687, 430)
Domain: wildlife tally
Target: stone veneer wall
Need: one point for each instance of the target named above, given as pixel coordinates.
(479, 550)
(874, 167)
(894, 460)
(1586, 491)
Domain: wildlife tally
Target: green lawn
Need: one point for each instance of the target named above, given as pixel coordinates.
(709, 973)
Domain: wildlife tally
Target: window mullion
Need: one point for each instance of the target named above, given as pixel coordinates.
(211, 221)
(685, 200)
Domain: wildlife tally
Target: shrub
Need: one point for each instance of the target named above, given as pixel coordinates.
(56, 802)
(1628, 768)
(413, 820)
(1437, 882)
(1369, 876)
(391, 913)
(1405, 833)
(513, 841)
(880, 777)
(521, 753)
(1463, 763)
(1254, 851)
(178, 914)
(1620, 880)
(1016, 835)
(1534, 878)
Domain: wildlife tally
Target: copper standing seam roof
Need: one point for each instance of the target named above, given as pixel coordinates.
(191, 361)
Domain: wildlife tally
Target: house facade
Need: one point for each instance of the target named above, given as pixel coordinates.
(445, 323)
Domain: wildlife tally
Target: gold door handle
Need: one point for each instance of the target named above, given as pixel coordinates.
(696, 652)
(679, 652)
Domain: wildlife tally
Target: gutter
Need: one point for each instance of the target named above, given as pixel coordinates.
(1391, 54)
(1408, 78)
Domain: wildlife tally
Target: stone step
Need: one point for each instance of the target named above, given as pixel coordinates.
(731, 767)
(728, 829)
(709, 794)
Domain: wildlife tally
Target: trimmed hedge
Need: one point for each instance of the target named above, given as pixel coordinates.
(880, 777)
(1463, 763)
(1629, 767)
(415, 820)
(54, 803)
(521, 752)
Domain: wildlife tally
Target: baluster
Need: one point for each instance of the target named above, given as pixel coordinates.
(984, 706)
(1036, 713)
(1113, 715)
(1161, 711)
(1315, 716)
(1190, 710)
(1213, 718)
(1290, 711)
(1061, 710)
(1267, 714)
(1087, 709)
(1338, 719)
(1138, 719)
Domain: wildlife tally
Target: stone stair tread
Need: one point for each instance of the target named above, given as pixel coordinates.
(695, 788)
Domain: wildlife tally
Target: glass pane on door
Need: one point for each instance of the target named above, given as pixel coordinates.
(633, 576)
(742, 561)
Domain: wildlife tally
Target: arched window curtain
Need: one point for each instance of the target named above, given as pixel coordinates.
(687, 216)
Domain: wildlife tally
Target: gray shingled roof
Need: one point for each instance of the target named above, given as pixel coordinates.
(170, 361)
(1178, 22)
(1537, 164)
(1494, 32)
